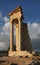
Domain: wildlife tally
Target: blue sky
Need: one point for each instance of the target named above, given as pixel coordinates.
(31, 8)
(31, 11)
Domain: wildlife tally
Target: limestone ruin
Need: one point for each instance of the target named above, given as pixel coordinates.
(22, 45)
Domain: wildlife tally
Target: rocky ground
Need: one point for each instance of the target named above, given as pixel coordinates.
(35, 60)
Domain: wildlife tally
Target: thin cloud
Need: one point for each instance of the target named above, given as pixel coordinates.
(34, 32)
(4, 33)
(6, 19)
(1, 15)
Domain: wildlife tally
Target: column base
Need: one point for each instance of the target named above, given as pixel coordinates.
(20, 53)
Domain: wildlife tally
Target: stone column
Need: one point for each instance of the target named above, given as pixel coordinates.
(17, 37)
(19, 34)
(11, 35)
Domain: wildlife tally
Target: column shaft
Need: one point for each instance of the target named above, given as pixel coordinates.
(17, 37)
(11, 36)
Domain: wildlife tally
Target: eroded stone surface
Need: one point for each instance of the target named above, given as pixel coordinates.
(16, 60)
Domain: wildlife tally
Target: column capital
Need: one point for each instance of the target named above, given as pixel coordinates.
(11, 20)
(19, 19)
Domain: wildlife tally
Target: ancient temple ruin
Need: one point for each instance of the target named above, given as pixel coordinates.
(22, 45)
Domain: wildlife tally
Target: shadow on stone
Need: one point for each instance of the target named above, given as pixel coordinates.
(38, 63)
(14, 64)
